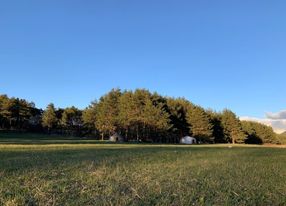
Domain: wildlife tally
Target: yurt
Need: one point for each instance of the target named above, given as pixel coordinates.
(116, 138)
(188, 140)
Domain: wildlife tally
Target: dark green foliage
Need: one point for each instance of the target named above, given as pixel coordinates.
(72, 120)
(127, 113)
(232, 127)
(258, 133)
(177, 109)
(49, 118)
(106, 115)
(142, 116)
(200, 124)
(155, 118)
(281, 138)
(218, 134)
(89, 117)
(17, 114)
(137, 116)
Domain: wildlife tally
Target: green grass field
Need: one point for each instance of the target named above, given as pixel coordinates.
(36, 172)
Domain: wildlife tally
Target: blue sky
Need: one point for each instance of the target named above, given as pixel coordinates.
(215, 53)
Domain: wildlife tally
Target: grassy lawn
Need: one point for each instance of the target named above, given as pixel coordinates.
(126, 174)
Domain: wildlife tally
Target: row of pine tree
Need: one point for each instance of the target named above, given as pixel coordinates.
(137, 116)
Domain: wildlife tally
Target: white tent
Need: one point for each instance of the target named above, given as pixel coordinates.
(116, 138)
(188, 140)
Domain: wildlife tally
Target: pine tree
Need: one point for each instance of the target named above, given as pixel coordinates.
(217, 126)
(5, 111)
(177, 108)
(258, 133)
(89, 116)
(232, 127)
(127, 115)
(49, 118)
(107, 113)
(72, 119)
(139, 100)
(200, 124)
(14, 112)
(155, 118)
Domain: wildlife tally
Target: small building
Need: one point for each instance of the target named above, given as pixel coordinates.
(188, 140)
(116, 138)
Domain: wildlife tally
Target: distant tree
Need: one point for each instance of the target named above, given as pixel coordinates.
(49, 118)
(128, 113)
(21, 112)
(35, 121)
(138, 115)
(200, 124)
(281, 138)
(72, 119)
(89, 116)
(131, 113)
(107, 113)
(143, 115)
(15, 113)
(5, 111)
(232, 127)
(177, 108)
(258, 133)
(218, 134)
(155, 118)
(59, 114)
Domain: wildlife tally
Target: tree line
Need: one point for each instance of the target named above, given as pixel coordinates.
(137, 116)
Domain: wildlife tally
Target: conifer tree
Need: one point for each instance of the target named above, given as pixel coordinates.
(89, 116)
(218, 134)
(177, 108)
(155, 118)
(200, 124)
(49, 118)
(232, 127)
(107, 113)
(258, 133)
(71, 118)
(128, 112)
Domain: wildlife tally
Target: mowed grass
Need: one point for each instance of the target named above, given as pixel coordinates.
(127, 174)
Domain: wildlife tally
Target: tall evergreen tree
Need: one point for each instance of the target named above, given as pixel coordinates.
(89, 116)
(5, 111)
(128, 112)
(155, 119)
(72, 119)
(142, 115)
(258, 133)
(232, 127)
(177, 108)
(15, 113)
(139, 100)
(218, 134)
(49, 118)
(107, 113)
(200, 124)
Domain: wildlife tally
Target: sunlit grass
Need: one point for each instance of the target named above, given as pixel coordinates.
(127, 174)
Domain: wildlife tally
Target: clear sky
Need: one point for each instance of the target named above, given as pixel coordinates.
(215, 53)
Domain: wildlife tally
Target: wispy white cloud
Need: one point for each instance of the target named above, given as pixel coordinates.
(279, 115)
(276, 120)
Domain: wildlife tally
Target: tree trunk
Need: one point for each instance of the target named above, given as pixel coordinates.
(137, 133)
(126, 135)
